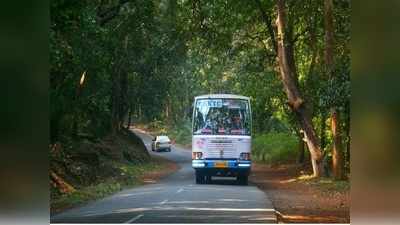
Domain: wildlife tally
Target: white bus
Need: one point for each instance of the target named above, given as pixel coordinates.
(221, 140)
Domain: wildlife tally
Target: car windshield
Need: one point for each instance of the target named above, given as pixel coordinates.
(163, 138)
(222, 117)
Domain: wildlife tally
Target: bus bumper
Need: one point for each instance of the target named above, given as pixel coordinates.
(222, 167)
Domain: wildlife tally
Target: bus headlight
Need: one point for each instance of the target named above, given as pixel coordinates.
(197, 155)
(244, 156)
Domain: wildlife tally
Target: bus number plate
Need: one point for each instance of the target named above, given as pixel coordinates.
(221, 164)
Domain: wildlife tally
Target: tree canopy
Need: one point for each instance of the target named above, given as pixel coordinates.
(117, 60)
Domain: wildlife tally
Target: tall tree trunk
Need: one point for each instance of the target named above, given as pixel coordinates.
(123, 98)
(128, 126)
(119, 92)
(300, 159)
(116, 98)
(268, 22)
(115, 102)
(322, 130)
(290, 82)
(337, 151)
(347, 129)
(75, 125)
(123, 102)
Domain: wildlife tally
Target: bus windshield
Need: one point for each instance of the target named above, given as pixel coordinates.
(222, 117)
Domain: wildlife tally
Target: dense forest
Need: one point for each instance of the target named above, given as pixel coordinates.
(116, 63)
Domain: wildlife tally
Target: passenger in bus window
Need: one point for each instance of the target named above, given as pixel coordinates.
(237, 124)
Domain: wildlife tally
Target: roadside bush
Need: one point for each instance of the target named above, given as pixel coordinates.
(273, 148)
(181, 133)
(157, 125)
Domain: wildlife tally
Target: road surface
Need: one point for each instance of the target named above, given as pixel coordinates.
(177, 199)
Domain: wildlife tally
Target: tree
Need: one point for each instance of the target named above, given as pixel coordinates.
(146, 60)
(337, 151)
(289, 76)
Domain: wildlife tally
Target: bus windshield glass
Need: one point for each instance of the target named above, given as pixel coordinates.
(222, 117)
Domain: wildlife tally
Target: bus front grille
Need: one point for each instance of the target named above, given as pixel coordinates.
(221, 150)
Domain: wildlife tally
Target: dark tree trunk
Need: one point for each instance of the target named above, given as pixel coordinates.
(268, 22)
(123, 101)
(115, 103)
(119, 93)
(347, 128)
(295, 100)
(337, 151)
(75, 122)
(300, 159)
(128, 126)
(322, 130)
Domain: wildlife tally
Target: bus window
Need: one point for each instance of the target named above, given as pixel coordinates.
(222, 117)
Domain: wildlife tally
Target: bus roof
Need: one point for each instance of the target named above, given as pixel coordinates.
(222, 96)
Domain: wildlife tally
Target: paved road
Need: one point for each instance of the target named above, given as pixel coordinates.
(177, 199)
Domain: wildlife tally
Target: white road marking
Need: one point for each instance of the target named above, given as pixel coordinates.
(163, 202)
(193, 208)
(187, 202)
(134, 218)
(163, 208)
(232, 200)
(230, 209)
(262, 218)
(180, 190)
(133, 194)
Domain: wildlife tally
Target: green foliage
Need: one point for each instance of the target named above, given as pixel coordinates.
(181, 133)
(275, 148)
(153, 57)
(90, 193)
(129, 177)
(327, 185)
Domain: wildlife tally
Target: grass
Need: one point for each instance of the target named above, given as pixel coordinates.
(275, 148)
(130, 176)
(329, 184)
(86, 194)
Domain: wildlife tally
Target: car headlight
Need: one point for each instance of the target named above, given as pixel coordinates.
(244, 156)
(197, 155)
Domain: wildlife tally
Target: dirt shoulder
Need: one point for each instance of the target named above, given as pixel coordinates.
(299, 199)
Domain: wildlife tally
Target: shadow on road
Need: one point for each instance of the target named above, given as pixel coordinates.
(224, 181)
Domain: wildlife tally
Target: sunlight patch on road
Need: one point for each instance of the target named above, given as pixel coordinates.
(262, 218)
(149, 181)
(188, 202)
(201, 217)
(133, 194)
(232, 200)
(130, 210)
(287, 181)
(163, 202)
